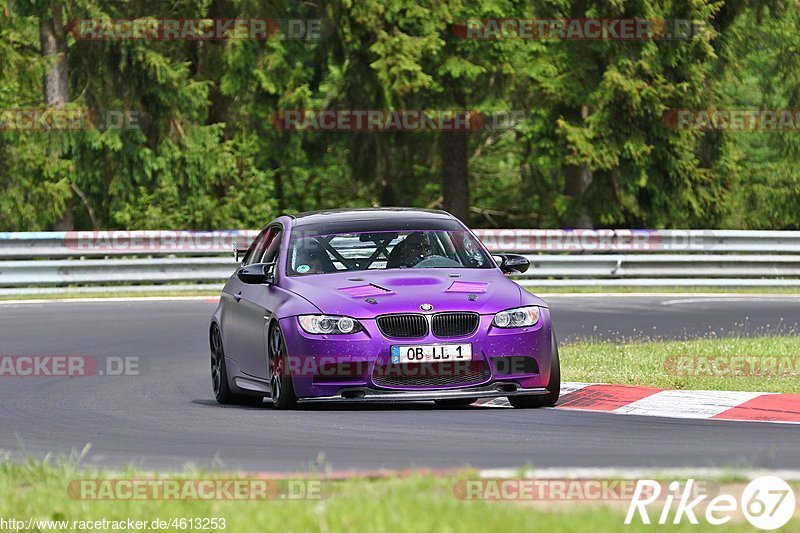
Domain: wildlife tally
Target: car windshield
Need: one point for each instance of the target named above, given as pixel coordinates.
(383, 250)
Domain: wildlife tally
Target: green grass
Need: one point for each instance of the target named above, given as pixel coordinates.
(685, 364)
(420, 502)
(791, 291)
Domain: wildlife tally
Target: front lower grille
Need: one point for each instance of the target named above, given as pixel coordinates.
(454, 324)
(347, 371)
(442, 374)
(512, 365)
(403, 326)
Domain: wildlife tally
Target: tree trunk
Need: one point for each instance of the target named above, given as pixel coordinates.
(53, 40)
(387, 195)
(577, 179)
(455, 173)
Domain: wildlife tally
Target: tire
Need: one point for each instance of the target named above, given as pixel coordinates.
(553, 388)
(283, 395)
(219, 375)
(455, 402)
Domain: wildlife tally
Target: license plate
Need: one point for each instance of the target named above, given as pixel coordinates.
(431, 353)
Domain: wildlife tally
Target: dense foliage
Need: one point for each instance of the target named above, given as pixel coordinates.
(588, 145)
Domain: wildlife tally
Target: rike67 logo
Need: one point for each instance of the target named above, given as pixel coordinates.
(767, 502)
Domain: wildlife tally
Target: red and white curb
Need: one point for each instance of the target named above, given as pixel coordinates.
(697, 404)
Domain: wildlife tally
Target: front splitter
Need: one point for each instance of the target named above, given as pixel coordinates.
(363, 394)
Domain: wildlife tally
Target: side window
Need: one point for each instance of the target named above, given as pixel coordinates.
(271, 251)
(261, 243)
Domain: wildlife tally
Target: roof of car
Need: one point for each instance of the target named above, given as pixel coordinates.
(374, 219)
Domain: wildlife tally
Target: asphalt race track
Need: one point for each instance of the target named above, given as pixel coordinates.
(166, 416)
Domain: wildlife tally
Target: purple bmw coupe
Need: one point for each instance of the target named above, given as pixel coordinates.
(379, 305)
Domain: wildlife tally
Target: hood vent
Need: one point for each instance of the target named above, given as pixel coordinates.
(365, 291)
(467, 286)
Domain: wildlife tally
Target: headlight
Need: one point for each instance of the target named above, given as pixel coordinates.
(517, 318)
(329, 324)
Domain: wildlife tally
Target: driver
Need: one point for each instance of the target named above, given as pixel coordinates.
(312, 259)
(414, 248)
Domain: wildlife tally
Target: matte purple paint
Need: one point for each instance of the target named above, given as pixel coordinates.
(484, 291)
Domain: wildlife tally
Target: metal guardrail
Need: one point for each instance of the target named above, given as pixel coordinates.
(640, 241)
(56, 244)
(134, 260)
(171, 242)
(111, 271)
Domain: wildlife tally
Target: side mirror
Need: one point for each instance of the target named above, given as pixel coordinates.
(510, 263)
(257, 273)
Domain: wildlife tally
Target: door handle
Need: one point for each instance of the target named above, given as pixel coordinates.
(237, 296)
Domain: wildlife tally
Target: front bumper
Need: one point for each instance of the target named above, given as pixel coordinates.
(369, 352)
(363, 394)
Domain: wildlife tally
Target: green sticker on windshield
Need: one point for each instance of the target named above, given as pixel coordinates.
(303, 268)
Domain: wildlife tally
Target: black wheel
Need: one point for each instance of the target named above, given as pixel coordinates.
(455, 402)
(553, 388)
(219, 375)
(283, 396)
